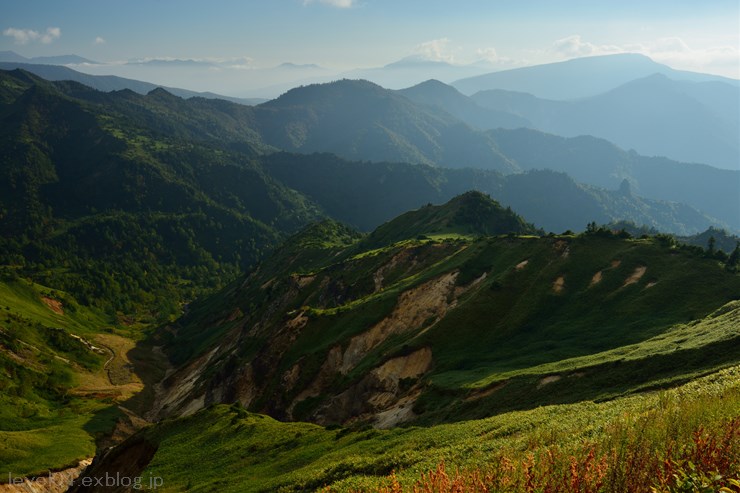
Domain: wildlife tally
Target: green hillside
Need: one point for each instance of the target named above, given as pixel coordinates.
(88, 194)
(450, 326)
(618, 445)
(366, 195)
(531, 362)
(119, 212)
(357, 119)
(62, 372)
(601, 163)
(470, 214)
(449, 99)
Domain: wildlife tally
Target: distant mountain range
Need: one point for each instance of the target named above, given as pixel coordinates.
(413, 69)
(579, 77)
(88, 173)
(688, 121)
(55, 72)
(601, 163)
(365, 195)
(449, 99)
(379, 125)
(11, 56)
(656, 116)
(360, 120)
(396, 75)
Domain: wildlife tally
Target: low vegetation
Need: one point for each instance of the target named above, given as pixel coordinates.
(661, 441)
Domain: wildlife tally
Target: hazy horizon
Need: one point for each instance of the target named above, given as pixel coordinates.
(238, 47)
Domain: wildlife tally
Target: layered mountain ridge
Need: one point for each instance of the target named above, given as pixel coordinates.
(349, 293)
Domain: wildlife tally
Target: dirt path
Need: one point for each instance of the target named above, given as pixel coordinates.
(116, 379)
(112, 356)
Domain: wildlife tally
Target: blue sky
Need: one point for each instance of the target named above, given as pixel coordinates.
(343, 34)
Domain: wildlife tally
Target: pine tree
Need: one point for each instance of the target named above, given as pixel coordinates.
(710, 246)
(734, 260)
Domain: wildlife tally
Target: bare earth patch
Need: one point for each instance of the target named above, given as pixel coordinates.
(596, 279)
(54, 305)
(411, 366)
(559, 284)
(429, 301)
(480, 394)
(636, 276)
(401, 412)
(547, 380)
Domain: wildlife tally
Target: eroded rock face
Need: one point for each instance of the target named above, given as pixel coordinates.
(428, 302)
(380, 395)
(379, 391)
(383, 394)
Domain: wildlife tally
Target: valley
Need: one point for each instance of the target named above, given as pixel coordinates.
(353, 288)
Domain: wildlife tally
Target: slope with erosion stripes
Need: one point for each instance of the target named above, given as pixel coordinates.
(315, 346)
(228, 449)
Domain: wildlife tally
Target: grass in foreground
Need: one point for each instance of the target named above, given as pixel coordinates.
(628, 444)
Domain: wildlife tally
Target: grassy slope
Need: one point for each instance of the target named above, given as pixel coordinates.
(55, 399)
(507, 335)
(226, 449)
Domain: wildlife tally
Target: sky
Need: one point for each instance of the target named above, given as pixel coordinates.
(345, 34)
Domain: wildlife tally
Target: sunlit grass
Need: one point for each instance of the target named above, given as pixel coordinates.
(232, 450)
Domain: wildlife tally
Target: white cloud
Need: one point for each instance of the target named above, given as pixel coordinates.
(671, 44)
(211, 63)
(243, 63)
(574, 46)
(436, 50)
(488, 54)
(21, 36)
(340, 4)
(99, 41)
(676, 53)
(25, 36)
(52, 33)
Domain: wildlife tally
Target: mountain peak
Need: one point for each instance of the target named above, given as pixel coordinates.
(327, 92)
(474, 199)
(430, 91)
(416, 61)
(161, 93)
(433, 84)
(12, 56)
(471, 214)
(569, 79)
